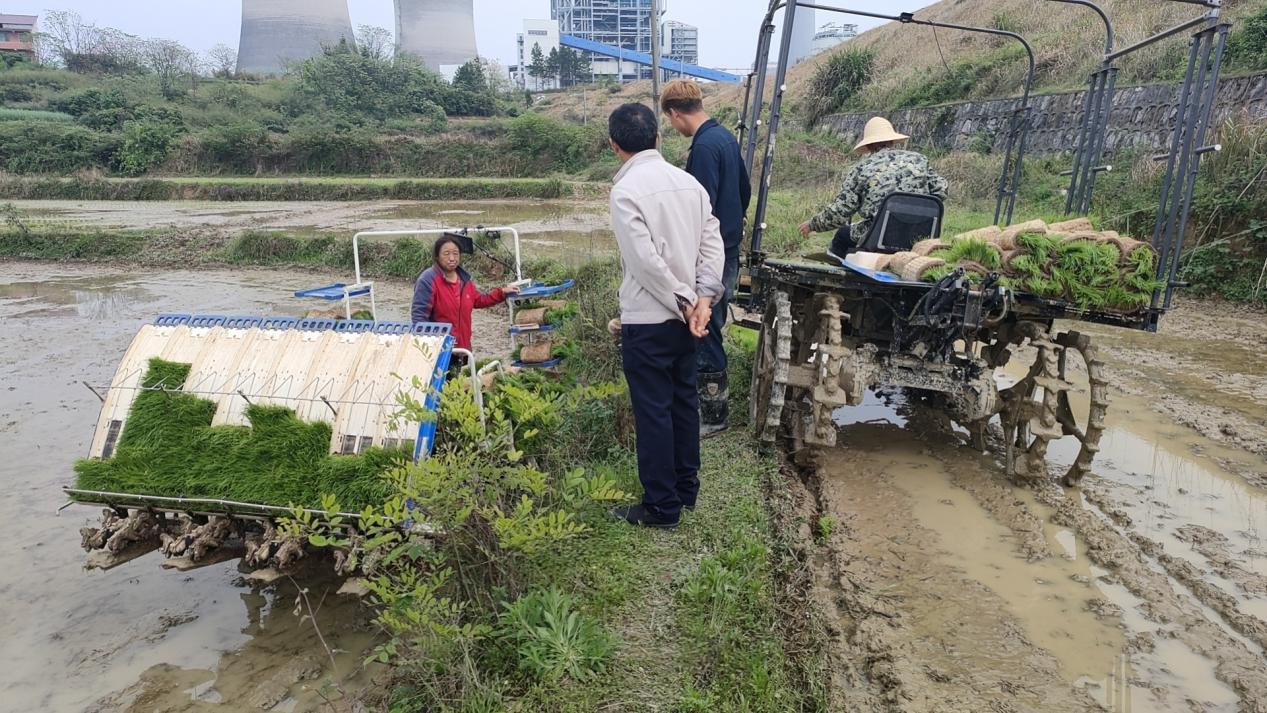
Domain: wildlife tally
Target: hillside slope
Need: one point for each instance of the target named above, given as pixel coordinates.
(1068, 41)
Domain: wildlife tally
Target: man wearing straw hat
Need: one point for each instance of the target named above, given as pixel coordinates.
(884, 169)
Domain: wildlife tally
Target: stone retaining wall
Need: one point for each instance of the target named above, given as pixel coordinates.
(1142, 116)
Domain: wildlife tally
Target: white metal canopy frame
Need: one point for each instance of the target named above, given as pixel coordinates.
(1014, 145)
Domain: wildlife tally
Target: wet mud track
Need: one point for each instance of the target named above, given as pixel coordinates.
(948, 588)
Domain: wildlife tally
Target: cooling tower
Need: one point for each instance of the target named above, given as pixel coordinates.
(802, 44)
(276, 33)
(438, 32)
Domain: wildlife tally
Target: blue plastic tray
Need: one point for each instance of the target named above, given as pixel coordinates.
(337, 291)
(525, 329)
(534, 291)
(881, 276)
(548, 364)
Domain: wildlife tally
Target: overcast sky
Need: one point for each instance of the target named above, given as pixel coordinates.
(728, 28)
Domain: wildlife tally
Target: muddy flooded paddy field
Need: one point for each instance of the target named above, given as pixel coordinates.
(566, 229)
(137, 637)
(949, 588)
(945, 587)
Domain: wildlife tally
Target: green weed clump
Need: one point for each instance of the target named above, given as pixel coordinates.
(168, 447)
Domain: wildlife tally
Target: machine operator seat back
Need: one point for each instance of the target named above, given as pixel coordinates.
(903, 220)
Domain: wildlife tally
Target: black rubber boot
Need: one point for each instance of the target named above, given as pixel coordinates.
(842, 243)
(714, 403)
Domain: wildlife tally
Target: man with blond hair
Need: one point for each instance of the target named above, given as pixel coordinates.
(715, 162)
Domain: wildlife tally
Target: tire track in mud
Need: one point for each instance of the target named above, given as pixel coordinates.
(878, 547)
(925, 636)
(1184, 572)
(1234, 662)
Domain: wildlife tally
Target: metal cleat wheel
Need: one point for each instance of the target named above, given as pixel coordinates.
(770, 369)
(1039, 409)
(1088, 430)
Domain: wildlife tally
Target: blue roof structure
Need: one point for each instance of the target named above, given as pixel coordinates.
(666, 64)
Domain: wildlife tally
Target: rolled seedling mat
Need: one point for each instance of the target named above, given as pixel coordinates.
(1088, 236)
(987, 233)
(915, 269)
(899, 260)
(1033, 226)
(553, 304)
(1077, 225)
(1011, 255)
(536, 352)
(924, 247)
(973, 267)
(882, 262)
(1128, 246)
(525, 317)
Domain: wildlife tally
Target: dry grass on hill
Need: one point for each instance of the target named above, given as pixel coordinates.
(1068, 41)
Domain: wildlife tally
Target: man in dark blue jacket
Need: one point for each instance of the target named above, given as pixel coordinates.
(715, 162)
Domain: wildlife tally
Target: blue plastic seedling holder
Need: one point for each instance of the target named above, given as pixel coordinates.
(535, 291)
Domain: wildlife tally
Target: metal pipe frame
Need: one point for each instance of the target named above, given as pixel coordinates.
(772, 128)
(1211, 43)
(750, 123)
(1018, 127)
(1097, 106)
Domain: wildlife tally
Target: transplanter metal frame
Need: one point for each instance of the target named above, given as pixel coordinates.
(1014, 145)
(1188, 142)
(1097, 105)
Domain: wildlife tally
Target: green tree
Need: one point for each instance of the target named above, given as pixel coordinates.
(552, 63)
(471, 76)
(537, 69)
(583, 69)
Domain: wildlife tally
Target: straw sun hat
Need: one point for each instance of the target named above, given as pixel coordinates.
(878, 130)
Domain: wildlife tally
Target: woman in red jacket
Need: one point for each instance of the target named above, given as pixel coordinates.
(445, 293)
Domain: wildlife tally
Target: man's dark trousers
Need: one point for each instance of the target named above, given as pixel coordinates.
(712, 351)
(659, 362)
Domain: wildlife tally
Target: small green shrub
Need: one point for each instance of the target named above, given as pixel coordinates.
(145, 146)
(553, 641)
(1247, 43)
(7, 114)
(836, 82)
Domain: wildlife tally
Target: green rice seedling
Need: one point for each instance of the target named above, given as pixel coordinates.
(559, 314)
(974, 249)
(1026, 266)
(169, 447)
(937, 273)
(1041, 245)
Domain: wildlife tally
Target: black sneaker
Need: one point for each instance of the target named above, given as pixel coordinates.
(640, 516)
(841, 246)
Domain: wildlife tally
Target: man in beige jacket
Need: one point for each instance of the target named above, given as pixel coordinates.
(672, 255)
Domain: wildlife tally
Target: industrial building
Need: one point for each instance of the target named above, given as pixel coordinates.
(278, 33)
(441, 33)
(680, 41)
(17, 35)
(616, 23)
(832, 34)
(538, 33)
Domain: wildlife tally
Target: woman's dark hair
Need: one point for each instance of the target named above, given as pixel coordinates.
(441, 242)
(633, 127)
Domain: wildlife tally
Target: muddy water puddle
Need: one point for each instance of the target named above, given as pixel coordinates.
(138, 637)
(1173, 486)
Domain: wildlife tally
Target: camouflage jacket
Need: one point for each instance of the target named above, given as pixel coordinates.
(869, 181)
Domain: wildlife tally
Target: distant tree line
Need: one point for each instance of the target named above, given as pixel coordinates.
(562, 67)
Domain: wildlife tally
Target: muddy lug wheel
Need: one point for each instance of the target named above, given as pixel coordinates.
(1089, 432)
(1028, 408)
(831, 360)
(770, 369)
